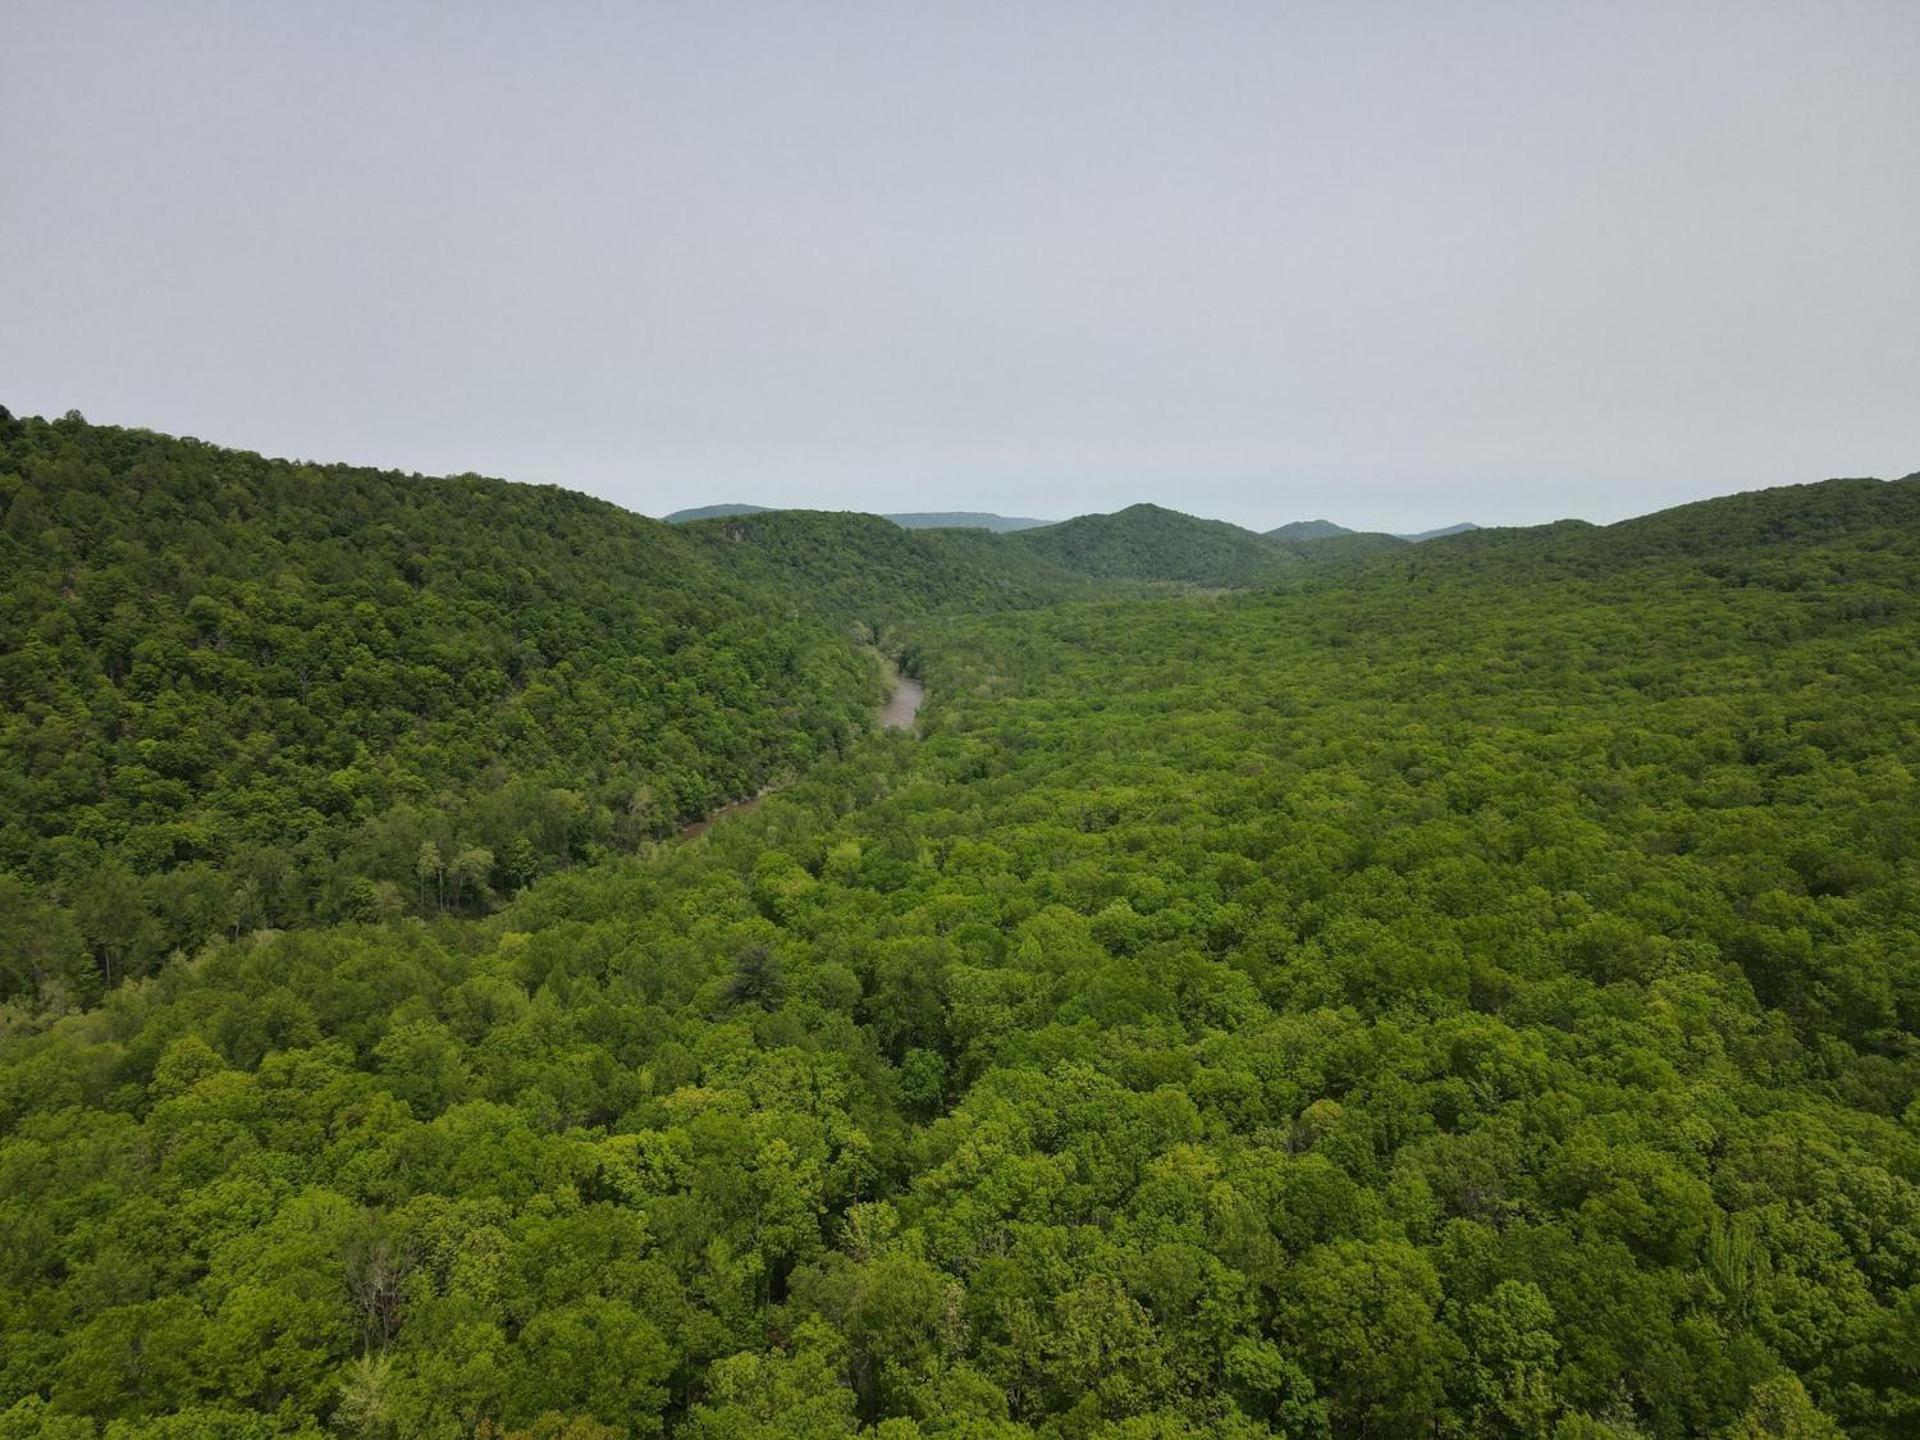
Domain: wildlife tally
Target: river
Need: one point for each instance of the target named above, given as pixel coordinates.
(902, 707)
(904, 704)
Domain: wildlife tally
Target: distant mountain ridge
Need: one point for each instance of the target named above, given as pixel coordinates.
(965, 520)
(711, 512)
(865, 568)
(1291, 533)
(1143, 542)
(906, 520)
(1308, 530)
(1151, 542)
(1445, 530)
(1327, 530)
(1739, 535)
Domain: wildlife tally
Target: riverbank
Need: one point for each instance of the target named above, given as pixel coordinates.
(901, 712)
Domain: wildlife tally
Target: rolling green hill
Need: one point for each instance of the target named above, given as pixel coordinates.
(1777, 536)
(867, 569)
(911, 520)
(1327, 530)
(710, 512)
(965, 520)
(1342, 552)
(1463, 528)
(239, 692)
(1308, 530)
(1148, 542)
(1460, 990)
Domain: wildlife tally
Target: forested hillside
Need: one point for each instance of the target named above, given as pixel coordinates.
(1148, 542)
(1760, 537)
(711, 512)
(238, 692)
(965, 520)
(244, 692)
(910, 520)
(1469, 995)
(1327, 530)
(1465, 527)
(866, 569)
(1308, 530)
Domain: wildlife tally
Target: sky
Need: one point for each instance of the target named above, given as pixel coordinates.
(1398, 265)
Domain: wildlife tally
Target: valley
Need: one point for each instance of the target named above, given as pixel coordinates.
(1341, 988)
(959, 722)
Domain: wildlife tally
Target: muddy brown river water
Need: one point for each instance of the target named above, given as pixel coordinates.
(904, 704)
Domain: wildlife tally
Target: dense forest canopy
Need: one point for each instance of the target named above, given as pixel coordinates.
(243, 692)
(712, 512)
(1147, 541)
(1308, 530)
(1460, 991)
(238, 692)
(909, 520)
(965, 520)
(868, 570)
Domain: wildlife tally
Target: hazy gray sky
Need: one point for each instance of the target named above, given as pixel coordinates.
(1396, 264)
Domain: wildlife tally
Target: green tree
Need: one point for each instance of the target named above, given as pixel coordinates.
(1364, 1315)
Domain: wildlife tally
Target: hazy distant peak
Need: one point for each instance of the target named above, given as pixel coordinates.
(712, 512)
(964, 520)
(1151, 542)
(908, 520)
(1327, 530)
(1308, 530)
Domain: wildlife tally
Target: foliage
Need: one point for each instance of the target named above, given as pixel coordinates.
(1147, 542)
(867, 569)
(1472, 995)
(238, 692)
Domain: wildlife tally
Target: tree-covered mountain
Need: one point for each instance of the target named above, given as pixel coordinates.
(1308, 530)
(866, 569)
(1151, 543)
(1327, 530)
(1470, 991)
(711, 512)
(910, 520)
(964, 520)
(238, 692)
(1148, 542)
(1761, 536)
